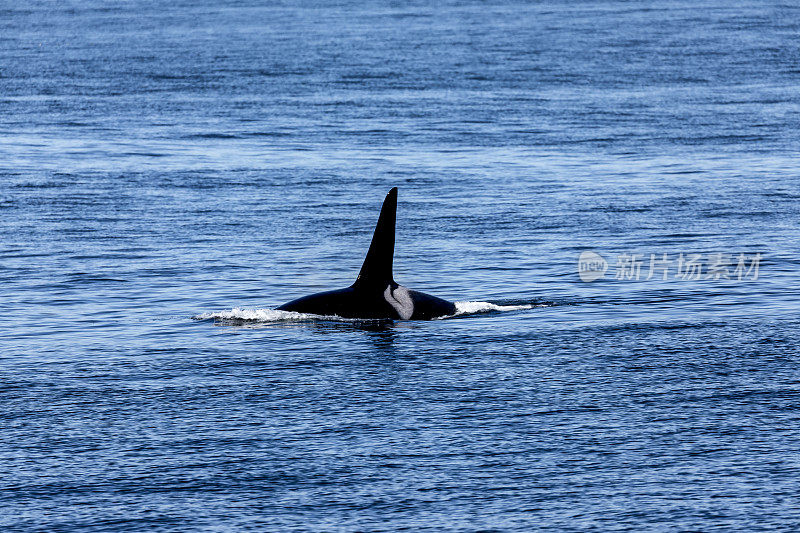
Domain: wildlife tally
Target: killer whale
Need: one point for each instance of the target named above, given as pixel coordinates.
(375, 294)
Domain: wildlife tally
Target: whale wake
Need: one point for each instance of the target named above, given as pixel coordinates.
(267, 315)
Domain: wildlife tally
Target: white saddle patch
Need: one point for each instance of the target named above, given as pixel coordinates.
(400, 299)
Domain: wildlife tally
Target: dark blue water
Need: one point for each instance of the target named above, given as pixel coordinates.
(171, 172)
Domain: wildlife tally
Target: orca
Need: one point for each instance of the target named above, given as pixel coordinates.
(375, 294)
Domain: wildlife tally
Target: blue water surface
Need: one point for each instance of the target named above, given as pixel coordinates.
(165, 165)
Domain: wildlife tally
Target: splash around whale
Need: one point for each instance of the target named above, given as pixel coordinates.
(375, 294)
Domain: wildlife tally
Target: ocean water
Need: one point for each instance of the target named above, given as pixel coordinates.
(172, 172)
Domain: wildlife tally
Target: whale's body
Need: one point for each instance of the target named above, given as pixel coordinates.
(375, 294)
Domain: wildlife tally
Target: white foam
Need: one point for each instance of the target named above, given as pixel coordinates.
(274, 315)
(255, 315)
(464, 308)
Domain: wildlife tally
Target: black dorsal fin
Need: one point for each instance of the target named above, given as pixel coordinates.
(377, 268)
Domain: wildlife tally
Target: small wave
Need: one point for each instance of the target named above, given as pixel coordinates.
(212, 136)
